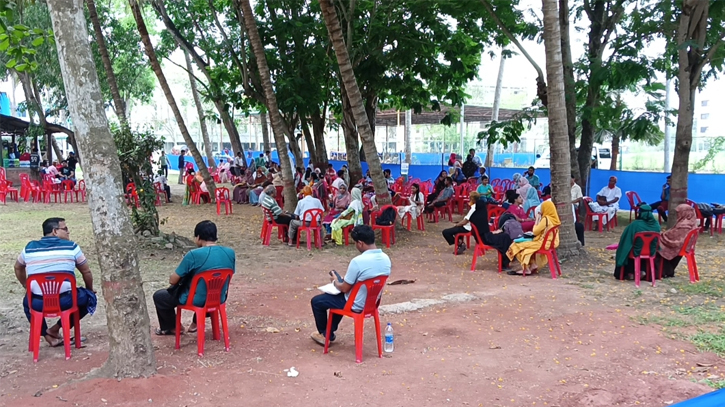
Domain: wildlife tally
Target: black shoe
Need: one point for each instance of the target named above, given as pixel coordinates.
(461, 249)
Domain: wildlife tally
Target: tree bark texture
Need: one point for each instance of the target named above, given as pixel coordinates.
(156, 66)
(569, 85)
(265, 132)
(118, 103)
(616, 138)
(356, 102)
(558, 136)
(318, 134)
(199, 111)
(290, 193)
(352, 146)
(131, 351)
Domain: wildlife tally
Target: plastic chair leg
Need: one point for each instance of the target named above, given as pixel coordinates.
(35, 338)
(328, 332)
(65, 317)
(552, 264)
(653, 270)
(77, 328)
(178, 329)
(200, 325)
(637, 271)
(558, 265)
(376, 317)
(215, 325)
(225, 325)
(359, 324)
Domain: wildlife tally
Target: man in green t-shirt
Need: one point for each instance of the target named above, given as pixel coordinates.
(207, 256)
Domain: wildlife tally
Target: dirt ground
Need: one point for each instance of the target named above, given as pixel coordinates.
(495, 340)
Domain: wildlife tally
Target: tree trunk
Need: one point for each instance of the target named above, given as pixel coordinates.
(265, 132)
(130, 347)
(290, 195)
(569, 85)
(408, 131)
(307, 134)
(118, 103)
(356, 102)
(318, 134)
(156, 66)
(615, 150)
(294, 142)
(558, 136)
(352, 147)
(496, 107)
(200, 112)
(32, 96)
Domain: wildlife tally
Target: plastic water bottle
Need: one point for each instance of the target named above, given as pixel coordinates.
(388, 346)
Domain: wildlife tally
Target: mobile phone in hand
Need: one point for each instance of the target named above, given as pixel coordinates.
(337, 275)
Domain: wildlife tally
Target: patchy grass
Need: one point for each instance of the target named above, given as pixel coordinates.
(710, 342)
(710, 288)
(715, 384)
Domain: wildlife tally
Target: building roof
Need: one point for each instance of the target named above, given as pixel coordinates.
(471, 113)
(10, 125)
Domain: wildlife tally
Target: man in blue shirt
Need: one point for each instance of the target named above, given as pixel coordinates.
(662, 204)
(208, 256)
(532, 178)
(371, 263)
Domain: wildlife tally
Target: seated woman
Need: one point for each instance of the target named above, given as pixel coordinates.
(438, 186)
(202, 186)
(496, 239)
(239, 194)
(457, 175)
(260, 177)
(353, 215)
(672, 240)
(224, 171)
(339, 203)
(644, 223)
(416, 203)
(523, 187)
(525, 251)
(532, 198)
(485, 190)
(516, 209)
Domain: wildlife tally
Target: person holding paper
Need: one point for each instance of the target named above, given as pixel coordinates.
(371, 263)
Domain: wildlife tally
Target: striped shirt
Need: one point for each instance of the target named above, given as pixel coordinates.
(270, 203)
(51, 254)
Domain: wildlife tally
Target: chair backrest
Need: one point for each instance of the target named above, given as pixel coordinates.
(647, 239)
(550, 238)
(131, 188)
(215, 281)
(2, 173)
(690, 241)
(474, 229)
(374, 287)
(587, 200)
(531, 211)
(82, 185)
(222, 194)
(50, 285)
(495, 212)
(314, 214)
(68, 185)
(631, 196)
(268, 215)
(694, 206)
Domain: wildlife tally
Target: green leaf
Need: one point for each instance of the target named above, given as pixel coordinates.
(38, 41)
(20, 27)
(21, 67)
(11, 64)
(4, 45)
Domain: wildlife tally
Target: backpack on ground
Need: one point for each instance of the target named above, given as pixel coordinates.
(387, 217)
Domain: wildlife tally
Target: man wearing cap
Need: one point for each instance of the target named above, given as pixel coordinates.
(663, 203)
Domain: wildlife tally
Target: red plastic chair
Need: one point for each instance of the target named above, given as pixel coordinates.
(530, 212)
(279, 197)
(48, 189)
(9, 190)
(409, 218)
(3, 192)
(480, 250)
(82, 190)
(494, 213)
(460, 196)
(346, 233)
(222, 198)
(589, 220)
(132, 195)
(215, 281)
(646, 254)
(68, 190)
(462, 236)
(267, 226)
(441, 211)
(387, 231)
(50, 285)
(549, 250)
(634, 202)
(315, 228)
(374, 288)
(688, 252)
(700, 216)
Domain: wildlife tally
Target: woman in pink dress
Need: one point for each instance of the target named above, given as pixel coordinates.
(516, 208)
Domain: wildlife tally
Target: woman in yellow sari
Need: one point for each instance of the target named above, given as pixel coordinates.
(524, 251)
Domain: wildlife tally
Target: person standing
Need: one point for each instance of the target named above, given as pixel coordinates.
(532, 178)
(181, 167)
(164, 163)
(35, 163)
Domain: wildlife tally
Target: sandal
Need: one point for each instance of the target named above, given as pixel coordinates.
(165, 332)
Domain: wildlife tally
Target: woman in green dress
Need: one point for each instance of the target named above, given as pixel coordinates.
(353, 215)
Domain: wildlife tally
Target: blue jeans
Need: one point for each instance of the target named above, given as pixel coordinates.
(320, 304)
(66, 301)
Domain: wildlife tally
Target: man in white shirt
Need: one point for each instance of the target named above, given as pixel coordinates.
(303, 205)
(161, 179)
(576, 193)
(464, 226)
(608, 200)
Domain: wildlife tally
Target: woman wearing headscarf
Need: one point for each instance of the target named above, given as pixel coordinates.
(525, 251)
(532, 199)
(239, 194)
(644, 223)
(672, 240)
(438, 186)
(496, 239)
(339, 203)
(516, 178)
(353, 215)
(523, 188)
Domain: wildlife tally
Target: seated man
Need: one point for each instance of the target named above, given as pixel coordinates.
(464, 226)
(389, 178)
(442, 198)
(662, 205)
(207, 256)
(161, 179)
(608, 200)
(270, 203)
(54, 252)
(371, 263)
(303, 205)
(66, 172)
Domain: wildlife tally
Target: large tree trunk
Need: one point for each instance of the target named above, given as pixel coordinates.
(569, 85)
(131, 350)
(200, 112)
(290, 195)
(118, 103)
(352, 147)
(156, 66)
(364, 127)
(558, 137)
(318, 134)
(615, 150)
(265, 132)
(496, 107)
